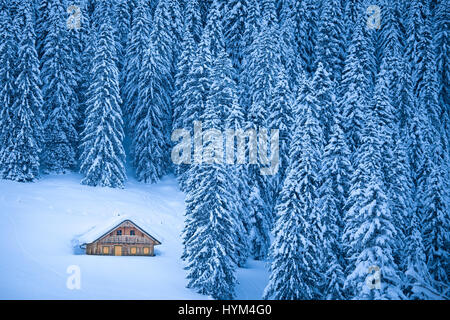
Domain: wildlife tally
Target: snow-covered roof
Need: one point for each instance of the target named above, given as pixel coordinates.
(99, 230)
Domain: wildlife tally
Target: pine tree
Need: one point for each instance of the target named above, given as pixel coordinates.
(80, 57)
(436, 215)
(42, 15)
(295, 249)
(8, 49)
(259, 222)
(330, 45)
(369, 232)
(191, 38)
(192, 20)
(59, 81)
(264, 66)
(441, 43)
(102, 157)
(325, 89)
(165, 38)
(252, 27)
(289, 49)
(307, 21)
(123, 29)
(149, 143)
(234, 25)
(138, 45)
(418, 283)
(210, 261)
(335, 173)
(280, 118)
(211, 258)
(20, 155)
(422, 60)
(357, 81)
(195, 92)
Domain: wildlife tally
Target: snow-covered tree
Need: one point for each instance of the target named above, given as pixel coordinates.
(122, 30)
(357, 83)
(195, 92)
(295, 250)
(369, 232)
(252, 27)
(289, 48)
(280, 118)
(138, 45)
(325, 92)
(210, 262)
(435, 215)
(149, 140)
(8, 61)
(211, 257)
(330, 45)
(441, 43)
(20, 154)
(234, 27)
(103, 156)
(165, 39)
(335, 173)
(191, 38)
(307, 31)
(60, 101)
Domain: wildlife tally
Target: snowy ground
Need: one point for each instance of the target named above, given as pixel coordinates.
(40, 220)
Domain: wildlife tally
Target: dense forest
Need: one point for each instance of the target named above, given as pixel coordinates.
(358, 207)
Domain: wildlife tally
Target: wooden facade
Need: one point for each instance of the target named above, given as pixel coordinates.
(125, 239)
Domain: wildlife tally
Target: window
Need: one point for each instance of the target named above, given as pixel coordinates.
(119, 232)
(133, 250)
(105, 250)
(132, 233)
(146, 250)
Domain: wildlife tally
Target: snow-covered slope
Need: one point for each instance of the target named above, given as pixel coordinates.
(40, 221)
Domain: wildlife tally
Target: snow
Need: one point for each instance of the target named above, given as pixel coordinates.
(43, 223)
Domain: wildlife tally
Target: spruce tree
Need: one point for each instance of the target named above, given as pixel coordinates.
(123, 28)
(369, 232)
(138, 45)
(307, 22)
(356, 85)
(295, 250)
(191, 38)
(289, 48)
(335, 173)
(8, 49)
(330, 45)
(149, 140)
(436, 215)
(58, 83)
(280, 118)
(20, 154)
(103, 156)
(195, 92)
(234, 26)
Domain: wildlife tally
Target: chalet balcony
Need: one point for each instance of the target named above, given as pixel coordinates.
(126, 239)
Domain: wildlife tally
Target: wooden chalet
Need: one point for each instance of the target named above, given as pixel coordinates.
(124, 239)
